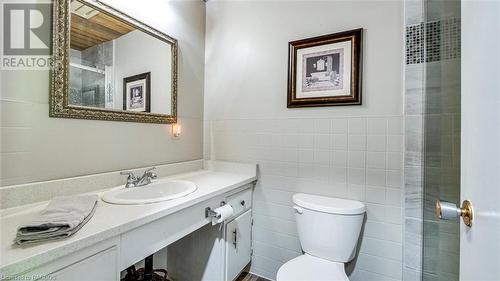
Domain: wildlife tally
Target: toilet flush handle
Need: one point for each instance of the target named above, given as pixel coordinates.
(298, 209)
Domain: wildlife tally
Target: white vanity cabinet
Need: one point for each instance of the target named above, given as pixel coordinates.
(216, 252)
(196, 250)
(97, 262)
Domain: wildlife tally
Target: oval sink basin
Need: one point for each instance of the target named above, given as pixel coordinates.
(154, 192)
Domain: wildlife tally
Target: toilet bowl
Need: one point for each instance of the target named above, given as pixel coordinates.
(328, 230)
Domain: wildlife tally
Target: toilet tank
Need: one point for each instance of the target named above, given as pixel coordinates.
(328, 227)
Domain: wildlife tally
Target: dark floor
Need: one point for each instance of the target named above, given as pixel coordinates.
(246, 276)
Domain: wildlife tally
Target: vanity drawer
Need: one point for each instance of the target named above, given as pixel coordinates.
(240, 201)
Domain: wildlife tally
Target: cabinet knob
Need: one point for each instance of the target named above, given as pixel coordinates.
(242, 202)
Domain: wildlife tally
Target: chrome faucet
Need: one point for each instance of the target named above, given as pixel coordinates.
(145, 179)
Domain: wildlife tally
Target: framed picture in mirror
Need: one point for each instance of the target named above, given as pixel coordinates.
(137, 92)
(325, 70)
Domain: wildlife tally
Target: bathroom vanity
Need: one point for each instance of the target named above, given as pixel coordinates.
(119, 236)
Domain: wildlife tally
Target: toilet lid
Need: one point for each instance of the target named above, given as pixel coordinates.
(329, 204)
(309, 268)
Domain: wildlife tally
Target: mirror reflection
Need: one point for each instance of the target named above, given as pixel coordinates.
(115, 65)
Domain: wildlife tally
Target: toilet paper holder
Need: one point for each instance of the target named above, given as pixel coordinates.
(209, 213)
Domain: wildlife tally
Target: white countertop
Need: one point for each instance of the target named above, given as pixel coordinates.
(111, 220)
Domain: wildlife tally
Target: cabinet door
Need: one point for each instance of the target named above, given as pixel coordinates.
(102, 266)
(238, 244)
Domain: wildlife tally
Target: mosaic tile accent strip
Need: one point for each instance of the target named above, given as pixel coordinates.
(414, 43)
(433, 41)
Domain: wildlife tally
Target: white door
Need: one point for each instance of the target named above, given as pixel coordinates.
(480, 159)
(238, 244)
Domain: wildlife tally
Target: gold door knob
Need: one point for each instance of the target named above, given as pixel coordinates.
(448, 211)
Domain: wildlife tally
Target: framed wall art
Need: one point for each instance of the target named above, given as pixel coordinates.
(137, 92)
(325, 70)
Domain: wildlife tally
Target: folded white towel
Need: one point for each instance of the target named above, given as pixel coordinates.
(61, 218)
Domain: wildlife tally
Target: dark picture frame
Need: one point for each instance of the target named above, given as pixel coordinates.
(137, 92)
(325, 70)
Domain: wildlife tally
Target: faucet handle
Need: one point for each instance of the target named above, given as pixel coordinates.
(150, 169)
(131, 179)
(125, 173)
(130, 175)
(148, 172)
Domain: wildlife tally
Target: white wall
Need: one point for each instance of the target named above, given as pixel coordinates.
(349, 152)
(36, 147)
(137, 52)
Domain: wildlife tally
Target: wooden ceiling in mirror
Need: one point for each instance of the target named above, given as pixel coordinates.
(90, 27)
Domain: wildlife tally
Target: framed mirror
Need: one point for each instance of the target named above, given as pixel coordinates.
(110, 66)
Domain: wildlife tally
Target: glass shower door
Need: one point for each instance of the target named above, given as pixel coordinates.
(441, 145)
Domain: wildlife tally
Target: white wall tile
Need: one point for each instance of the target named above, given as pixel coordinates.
(321, 173)
(288, 242)
(382, 248)
(305, 126)
(306, 155)
(394, 160)
(393, 197)
(375, 177)
(375, 159)
(356, 176)
(376, 142)
(357, 126)
(375, 194)
(394, 215)
(340, 142)
(356, 192)
(338, 174)
(269, 266)
(363, 275)
(339, 126)
(306, 170)
(381, 265)
(357, 142)
(273, 252)
(339, 158)
(322, 126)
(357, 159)
(375, 212)
(291, 140)
(394, 143)
(394, 126)
(394, 178)
(385, 231)
(276, 224)
(306, 141)
(322, 157)
(322, 141)
(376, 126)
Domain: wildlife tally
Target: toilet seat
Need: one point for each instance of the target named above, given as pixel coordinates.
(309, 268)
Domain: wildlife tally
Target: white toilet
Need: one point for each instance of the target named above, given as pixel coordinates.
(328, 229)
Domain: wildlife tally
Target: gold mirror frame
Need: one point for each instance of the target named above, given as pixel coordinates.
(59, 93)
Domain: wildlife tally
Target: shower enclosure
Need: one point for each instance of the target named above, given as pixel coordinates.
(441, 139)
(432, 139)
